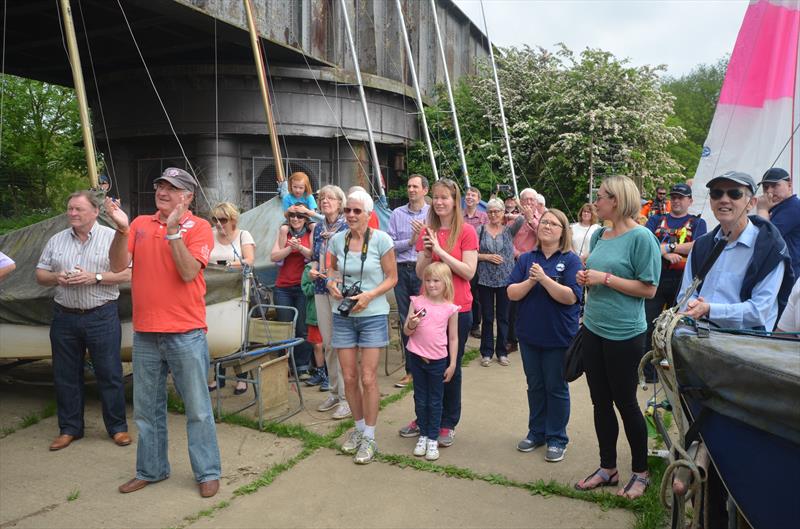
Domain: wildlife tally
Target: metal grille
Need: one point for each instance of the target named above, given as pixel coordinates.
(148, 169)
(265, 185)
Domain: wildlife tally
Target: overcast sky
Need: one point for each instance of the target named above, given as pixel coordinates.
(678, 33)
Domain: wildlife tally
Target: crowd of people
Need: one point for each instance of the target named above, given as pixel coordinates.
(513, 273)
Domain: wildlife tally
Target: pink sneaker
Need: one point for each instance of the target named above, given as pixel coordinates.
(409, 430)
(446, 437)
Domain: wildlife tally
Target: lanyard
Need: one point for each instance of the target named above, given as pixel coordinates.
(364, 249)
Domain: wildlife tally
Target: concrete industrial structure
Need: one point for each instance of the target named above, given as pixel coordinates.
(200, 59)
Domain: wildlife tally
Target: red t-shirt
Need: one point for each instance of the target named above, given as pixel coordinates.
(162, 301)
(291, 272)
(467, 240)
(374, 221)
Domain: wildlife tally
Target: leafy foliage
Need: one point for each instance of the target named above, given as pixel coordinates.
(42, 156)
(568, 115)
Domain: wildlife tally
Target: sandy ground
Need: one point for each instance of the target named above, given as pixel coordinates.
(323, 490)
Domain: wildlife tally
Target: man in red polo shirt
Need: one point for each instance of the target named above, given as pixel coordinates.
(168, 251)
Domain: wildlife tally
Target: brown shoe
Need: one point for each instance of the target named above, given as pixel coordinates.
(63, 441)
(209, 488)
(133, 485)
(122, 438)
(403, 382)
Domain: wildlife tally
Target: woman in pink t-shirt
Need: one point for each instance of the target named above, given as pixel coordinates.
(456, 245)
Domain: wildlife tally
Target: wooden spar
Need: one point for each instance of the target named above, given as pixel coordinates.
(450, 95)
(420, 105)
(500, 101)
(376, 167)
(262, 84)
(80, 92)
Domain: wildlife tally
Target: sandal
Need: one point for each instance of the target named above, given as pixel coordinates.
(608, 480)
(644, 480)
(240, 391)
(486, 361)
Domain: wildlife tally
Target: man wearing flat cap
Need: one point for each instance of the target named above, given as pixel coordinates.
(783, 210)
(676, 232)
(168, 251)
(753, 270)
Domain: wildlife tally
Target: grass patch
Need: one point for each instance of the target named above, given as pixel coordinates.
(469, 356)
(74, 495)
(30, 419)
(269, 475)
(8, 224)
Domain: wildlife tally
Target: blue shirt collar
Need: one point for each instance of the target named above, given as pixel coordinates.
(748, 236)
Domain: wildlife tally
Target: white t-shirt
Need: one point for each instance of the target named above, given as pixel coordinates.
(225, 252)
(790, 319)
(581, 235)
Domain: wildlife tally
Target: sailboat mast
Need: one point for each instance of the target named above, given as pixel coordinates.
(450, 95)
(415, 81)
(376, 168)
(262, 84)
(80, 92)
(500, 101)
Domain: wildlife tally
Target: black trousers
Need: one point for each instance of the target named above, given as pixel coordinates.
(668, 287)
(610, 367)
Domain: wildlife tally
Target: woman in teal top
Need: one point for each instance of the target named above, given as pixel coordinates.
(622, 270)
(361, 257)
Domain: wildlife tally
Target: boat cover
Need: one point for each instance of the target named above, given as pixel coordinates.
(751, 378)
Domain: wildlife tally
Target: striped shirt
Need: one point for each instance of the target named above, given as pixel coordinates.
(64, 251)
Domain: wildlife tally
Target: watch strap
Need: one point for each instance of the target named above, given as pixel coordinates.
(174, 236)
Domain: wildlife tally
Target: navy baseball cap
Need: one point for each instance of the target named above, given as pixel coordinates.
(737, 177)
(776, 174)
(681, 189)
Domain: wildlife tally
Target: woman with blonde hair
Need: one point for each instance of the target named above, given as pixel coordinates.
(447, 238)
(232, 248)
(583, 229)
(622, 270)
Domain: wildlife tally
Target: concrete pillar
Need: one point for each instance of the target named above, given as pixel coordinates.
(219, 171)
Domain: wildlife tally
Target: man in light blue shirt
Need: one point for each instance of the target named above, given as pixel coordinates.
(741, 290)
(404, 227)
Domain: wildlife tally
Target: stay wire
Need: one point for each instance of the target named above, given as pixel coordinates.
(3, 74)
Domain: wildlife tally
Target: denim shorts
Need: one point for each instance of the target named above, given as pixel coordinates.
(367, 331)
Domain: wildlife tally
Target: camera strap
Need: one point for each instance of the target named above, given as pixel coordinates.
(364, 249)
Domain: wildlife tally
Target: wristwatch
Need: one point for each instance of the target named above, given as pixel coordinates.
(174, 236)
(672, 247)
(98, 277)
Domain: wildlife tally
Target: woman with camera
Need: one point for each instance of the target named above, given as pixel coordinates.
(447, 238)
(291, 251)
(544, 282)
(363, 262)
(622, 270)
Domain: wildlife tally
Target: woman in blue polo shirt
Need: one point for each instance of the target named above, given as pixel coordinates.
(543, 281)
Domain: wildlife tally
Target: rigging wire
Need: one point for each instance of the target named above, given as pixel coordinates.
(3, 73)
(163, 107)
(99, 100)
(216, 102)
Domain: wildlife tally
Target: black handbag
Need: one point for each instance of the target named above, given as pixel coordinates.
(573, 357)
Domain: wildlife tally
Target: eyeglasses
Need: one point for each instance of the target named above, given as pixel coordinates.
(604, 197)
(219, 220)
(354, 211)
(494, 212)
(733, 194)
(159, 186)
(547, 223)
(296, 216)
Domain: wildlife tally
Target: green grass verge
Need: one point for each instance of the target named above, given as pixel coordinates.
(30, 419)
(8, 224)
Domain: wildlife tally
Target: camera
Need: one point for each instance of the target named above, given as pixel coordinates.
(347, 304)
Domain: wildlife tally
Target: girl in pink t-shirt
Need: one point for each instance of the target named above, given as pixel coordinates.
(432, 328)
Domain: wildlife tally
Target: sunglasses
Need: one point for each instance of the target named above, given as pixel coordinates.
(219, 220)
(354, 211)
(296, 216)
(512, 211)
(733, 194)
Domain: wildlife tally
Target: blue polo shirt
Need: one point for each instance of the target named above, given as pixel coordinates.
(786, 217)
(541, 320)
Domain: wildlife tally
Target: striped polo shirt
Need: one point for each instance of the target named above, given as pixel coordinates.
(64, 251)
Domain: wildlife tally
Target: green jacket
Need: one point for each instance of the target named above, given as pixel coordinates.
(307, 284)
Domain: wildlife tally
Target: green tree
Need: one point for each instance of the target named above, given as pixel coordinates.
(696, 95)
(42, 158)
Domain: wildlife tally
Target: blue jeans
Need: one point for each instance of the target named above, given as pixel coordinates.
(186, 356)
(548, 394)
(428, 393)
(451, 403)
(294, 297)
(70, 336)
(492, 298)
(408, 284)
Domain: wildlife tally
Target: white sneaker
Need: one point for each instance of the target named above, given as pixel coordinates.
(342, 411)
(329, 403)
(422, 446)
(432, 450)
(366, 451)
(352, 442)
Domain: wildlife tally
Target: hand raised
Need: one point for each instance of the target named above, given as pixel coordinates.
(114, 210)
(175, 217)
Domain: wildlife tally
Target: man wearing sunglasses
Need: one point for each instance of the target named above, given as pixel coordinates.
(783, 210)
(753, 269)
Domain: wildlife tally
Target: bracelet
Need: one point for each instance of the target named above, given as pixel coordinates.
(607, 279)
(174, 236)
